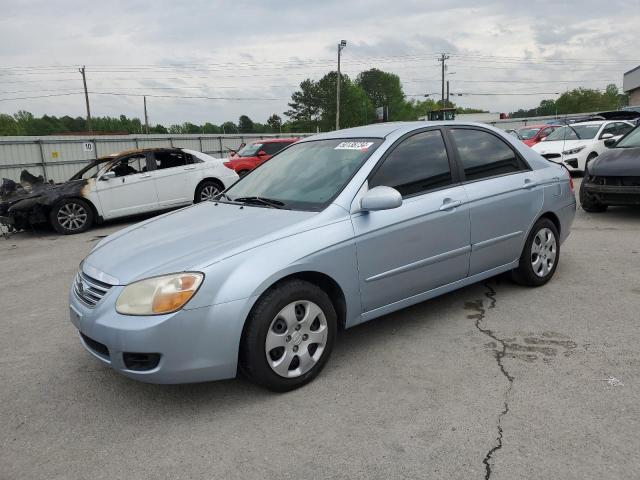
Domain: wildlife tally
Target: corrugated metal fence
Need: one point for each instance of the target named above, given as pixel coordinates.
(57, 158)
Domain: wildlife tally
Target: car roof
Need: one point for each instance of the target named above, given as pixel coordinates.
(276, 140)
(383, 130)
(538, 125)
(132, 151)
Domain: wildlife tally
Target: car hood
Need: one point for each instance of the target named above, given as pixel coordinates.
(617, 162)
(191, 238)
(31, 187)
(559, 146)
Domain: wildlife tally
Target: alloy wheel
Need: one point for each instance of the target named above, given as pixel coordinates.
(208, 192)
(296, 339)
(543, 252)
(72, 216)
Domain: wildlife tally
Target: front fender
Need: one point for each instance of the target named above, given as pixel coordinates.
(329, 250)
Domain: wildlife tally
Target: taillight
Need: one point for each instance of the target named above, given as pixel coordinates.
(571, 183)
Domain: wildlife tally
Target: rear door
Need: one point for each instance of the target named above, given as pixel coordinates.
(131, 191)
(422, 244)
(176, 177)
(504, 198)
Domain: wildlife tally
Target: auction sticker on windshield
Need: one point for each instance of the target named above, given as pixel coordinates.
(362, 146)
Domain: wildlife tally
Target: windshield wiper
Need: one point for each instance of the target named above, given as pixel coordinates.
(269, 202)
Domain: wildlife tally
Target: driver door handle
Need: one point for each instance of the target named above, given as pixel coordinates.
(528, 183)
(448, 204)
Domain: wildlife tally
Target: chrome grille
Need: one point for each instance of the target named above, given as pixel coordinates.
(89, 290)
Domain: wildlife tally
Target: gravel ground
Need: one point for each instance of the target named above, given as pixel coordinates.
(493, 380)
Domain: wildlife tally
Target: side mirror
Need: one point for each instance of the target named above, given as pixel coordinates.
(262, 153)
(605, 136)
(381, 198)
(108, 175)
(610, 142)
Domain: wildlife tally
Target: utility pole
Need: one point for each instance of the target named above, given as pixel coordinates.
(86, 97)
(447, 104)
(146, 118)
(341, 45)
(443, 58)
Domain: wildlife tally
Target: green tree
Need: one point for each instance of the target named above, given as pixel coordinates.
(210, 128)
(275, 123)
(304, 110)
(245, 124)
(8, 125)
(384, 90)
(229, 127)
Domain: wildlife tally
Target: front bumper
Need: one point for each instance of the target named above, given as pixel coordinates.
(614, 195)
(193, 345)
(574, 162)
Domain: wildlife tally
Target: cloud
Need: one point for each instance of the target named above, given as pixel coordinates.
(261, 49)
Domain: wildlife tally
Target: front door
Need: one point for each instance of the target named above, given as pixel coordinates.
(131, 191)
(504, 198)
(424, 243)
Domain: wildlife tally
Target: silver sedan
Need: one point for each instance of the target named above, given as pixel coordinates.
(333, 231)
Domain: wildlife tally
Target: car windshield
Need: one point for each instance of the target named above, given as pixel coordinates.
(305, 176)
(250, 150)
(90, 171)
(574, 132)
(632, 140)
(528, 133)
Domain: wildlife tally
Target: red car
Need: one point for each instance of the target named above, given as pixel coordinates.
(255, 153)
(532, 134)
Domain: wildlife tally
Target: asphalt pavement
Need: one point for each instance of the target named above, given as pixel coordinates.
(493, 381)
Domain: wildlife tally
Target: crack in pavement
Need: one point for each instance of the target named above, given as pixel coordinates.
(499, 354)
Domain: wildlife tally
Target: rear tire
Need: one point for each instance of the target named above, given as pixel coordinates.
(207, 190)
(540, 255)
(70, 216)
(289, 336)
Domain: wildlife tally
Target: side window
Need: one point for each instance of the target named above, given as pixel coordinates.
(273, 148)
(546, 132)
(484, 155)
(170, 159)
(417, 165)
(622, 128)
(130, 165)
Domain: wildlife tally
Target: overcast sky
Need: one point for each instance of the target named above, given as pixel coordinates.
(258, 52)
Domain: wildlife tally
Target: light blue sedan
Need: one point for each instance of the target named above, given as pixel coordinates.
(333, 231)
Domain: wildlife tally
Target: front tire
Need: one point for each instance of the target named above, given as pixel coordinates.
(588, 202)
(71, 216)
(289, 336)
(540, 255)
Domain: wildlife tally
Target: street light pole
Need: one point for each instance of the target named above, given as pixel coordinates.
(341, 45)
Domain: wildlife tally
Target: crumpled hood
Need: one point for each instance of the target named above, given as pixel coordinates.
(617, 162)
(24, 190)
(559, 146)
(191, 238)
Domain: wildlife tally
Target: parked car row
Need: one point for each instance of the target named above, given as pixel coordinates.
(575, 145)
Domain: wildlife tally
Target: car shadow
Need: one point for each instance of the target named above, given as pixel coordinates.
(229, 395)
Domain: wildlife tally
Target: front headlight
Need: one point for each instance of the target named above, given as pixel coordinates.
(573, 150)
(158, 295)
